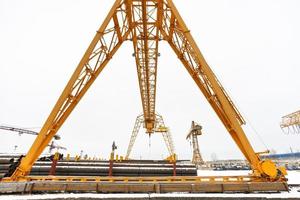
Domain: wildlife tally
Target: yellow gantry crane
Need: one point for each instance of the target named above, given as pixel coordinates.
(193, 134)
(291, 123)
(159, 127)
(146, 23)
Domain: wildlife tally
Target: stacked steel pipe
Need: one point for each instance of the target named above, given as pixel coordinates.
(5, 163)
(101, 168)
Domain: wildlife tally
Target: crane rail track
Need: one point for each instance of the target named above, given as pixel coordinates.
(51, 186)
(152, 180)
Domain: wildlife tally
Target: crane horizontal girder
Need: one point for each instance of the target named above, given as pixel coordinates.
(291, 122)
(19, 130)
(23, 131)
(145, 35)
(146, 23)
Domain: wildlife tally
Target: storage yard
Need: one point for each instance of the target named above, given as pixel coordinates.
(62, 161)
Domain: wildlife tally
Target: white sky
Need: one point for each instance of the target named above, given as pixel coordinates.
(252, 46)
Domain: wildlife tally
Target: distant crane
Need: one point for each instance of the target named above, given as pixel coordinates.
(159, 127)
(55, 146)
(291, 123)
(23, 131)
(193, 136)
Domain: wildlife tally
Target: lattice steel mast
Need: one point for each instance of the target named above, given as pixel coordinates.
(193, 134)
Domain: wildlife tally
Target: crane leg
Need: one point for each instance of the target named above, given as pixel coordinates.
(175, 31)
(166, 135)
(109, 37)
(139, 121)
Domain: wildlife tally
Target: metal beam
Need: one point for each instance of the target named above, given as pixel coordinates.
(158, 123)
(104, 45)
(183, 44)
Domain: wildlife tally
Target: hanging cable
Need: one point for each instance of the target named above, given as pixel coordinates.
(247, 120)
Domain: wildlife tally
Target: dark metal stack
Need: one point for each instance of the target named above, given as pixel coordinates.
(101, 168)
(5, 163)
(124, 168)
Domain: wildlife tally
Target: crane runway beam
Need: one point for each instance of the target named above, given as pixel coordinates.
(126, 185)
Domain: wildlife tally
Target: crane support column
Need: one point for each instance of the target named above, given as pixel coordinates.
(109, 37)
(181, 41)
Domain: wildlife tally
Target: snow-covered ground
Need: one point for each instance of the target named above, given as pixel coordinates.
(284, 195)
(293, 176)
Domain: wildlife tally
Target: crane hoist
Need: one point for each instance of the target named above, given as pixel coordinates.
(159, 127)
(146, 23)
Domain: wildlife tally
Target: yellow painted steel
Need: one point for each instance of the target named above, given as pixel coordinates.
(159, 126)
(145, 23)
(269, 168)
(56, 156)
(176, 179)
(172, 158)
(161, 129)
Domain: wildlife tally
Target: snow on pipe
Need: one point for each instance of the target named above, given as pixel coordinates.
(100, 168)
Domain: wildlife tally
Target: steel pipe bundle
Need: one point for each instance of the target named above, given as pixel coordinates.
(101, 168)
(5, 163)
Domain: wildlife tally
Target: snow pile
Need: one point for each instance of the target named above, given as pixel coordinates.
(223, 173)
(293, 176)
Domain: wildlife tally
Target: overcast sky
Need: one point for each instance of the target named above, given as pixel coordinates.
(252, 46)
